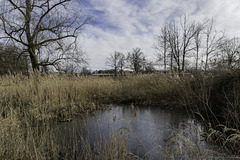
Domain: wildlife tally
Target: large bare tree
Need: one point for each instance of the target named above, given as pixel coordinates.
(46, 29)
(189, 31)
(180, 40)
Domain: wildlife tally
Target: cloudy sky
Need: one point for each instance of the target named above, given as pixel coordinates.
(121, 25)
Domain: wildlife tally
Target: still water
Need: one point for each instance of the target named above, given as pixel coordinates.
(150, 133)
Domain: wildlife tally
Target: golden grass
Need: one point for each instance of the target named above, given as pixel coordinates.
(44, 97)
(186, 144)
(41, 142)
(30, 102)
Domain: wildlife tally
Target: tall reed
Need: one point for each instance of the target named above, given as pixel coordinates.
(28, 102)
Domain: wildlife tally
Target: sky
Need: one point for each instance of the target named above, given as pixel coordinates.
(121, 25)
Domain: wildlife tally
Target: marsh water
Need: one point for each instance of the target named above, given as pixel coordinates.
(147, 131)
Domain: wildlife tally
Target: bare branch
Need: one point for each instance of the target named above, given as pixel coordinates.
(35, 32)
(17, 7)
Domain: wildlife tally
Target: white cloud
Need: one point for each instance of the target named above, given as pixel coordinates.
(122, 26)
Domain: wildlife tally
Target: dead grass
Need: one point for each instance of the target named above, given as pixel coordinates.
(44, 97)
(188, 144)
(28, 103)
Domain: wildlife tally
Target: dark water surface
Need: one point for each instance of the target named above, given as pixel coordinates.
(147, 130)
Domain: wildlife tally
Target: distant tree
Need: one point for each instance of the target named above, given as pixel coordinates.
(230, 49)
(122, 63)
(85, 71)
(10, 61)
(47, 30)
(149, 67)
(116, 60)
(69, 69)
(136, 60)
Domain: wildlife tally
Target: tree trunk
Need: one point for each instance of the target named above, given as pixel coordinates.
(171, 63)
(183, 61)
(34, 61)
(115, 71)
(206, 63)
(197, 50)
(121, 71)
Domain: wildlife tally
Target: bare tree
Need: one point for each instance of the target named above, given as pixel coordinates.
(121, 63)
(136, 60)
(198, 42)
(180, 40)
(116, 60)
(162, 47)
(212, 40)
(230, 49)
(189, 32)
(174, 44)
(47, 30)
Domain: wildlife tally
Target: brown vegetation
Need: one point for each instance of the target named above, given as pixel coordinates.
(27, 103)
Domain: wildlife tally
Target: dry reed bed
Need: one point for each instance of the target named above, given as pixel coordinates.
(53, 96)
(29, 102)
(59, 96)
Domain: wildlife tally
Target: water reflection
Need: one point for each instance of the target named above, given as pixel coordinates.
(148, 130)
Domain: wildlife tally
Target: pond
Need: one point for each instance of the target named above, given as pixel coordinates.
(150, 133)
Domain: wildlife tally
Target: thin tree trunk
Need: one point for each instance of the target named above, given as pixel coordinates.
(183, 62)
(206, 63)
(115, 71)
(197, 58)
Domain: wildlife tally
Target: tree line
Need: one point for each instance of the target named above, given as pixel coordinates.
(134, 60)
(11, 61)
(196, 46)
(44, 33)
(183, 46)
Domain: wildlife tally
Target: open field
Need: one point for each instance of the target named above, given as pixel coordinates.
(28, 102)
